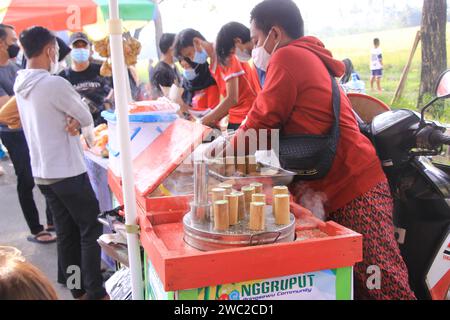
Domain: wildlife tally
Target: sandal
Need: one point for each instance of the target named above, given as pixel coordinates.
(35, 238)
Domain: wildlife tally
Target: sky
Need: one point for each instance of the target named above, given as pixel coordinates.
(208, 16)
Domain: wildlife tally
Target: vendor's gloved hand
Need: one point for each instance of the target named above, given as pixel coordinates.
(73, 126)
(219, 148)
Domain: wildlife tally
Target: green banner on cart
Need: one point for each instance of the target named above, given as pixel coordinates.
(320, 285)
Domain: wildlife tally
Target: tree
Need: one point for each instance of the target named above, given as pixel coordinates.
(434, 50)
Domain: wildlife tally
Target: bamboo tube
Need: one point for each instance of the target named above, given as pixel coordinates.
(227, 187)
(248, 193)
(230, 166)
(282, 214)
(241, 165)
(241, 204)
(277, 190)
(257, 218)
(252, 166)
(259, 197)
(258, 187)
(218, 194)
(221, 217)
(233, 207)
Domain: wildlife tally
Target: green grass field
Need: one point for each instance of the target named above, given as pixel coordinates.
(396, 45)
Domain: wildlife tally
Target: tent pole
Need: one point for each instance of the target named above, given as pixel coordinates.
(121, 98)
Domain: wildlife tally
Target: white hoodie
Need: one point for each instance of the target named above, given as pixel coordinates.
(44, 102)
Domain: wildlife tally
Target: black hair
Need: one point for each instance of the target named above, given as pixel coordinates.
(35, 39)
(166, 42)
(282, 13)
(349, 69)
(185, 39)
(226, 36)
(3, 28)
(376, 41)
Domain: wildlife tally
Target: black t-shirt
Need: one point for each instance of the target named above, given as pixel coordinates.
(164, 76)
(203, 80)
(89, 83)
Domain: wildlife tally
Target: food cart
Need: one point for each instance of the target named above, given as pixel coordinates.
(185, 257)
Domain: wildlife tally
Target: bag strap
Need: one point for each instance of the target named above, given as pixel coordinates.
(336, 105)
(336, 98)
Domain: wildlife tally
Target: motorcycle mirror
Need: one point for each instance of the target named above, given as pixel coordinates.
(442, 92)
(443, 86)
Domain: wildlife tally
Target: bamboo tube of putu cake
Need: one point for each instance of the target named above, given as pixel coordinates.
(252, 166)
(241, 205)
(227, 187)
(277, 190)
(230, 166)
(258, 187)
(259, 197)
(217, 194)
(241, 166)
(282, 215)
(221, 216)
(248, 193)
(233, 208)
(257, 217)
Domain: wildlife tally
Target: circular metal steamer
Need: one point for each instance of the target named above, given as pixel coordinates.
(202, 236)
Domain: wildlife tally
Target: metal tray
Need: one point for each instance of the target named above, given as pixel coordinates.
(204, 237)
(282, 177)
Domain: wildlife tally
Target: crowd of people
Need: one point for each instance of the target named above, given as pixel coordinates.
(287, 86)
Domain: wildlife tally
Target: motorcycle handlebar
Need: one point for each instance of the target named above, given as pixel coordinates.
(439, 138)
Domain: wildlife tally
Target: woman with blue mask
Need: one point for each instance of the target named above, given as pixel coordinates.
(235, 80)
(200, 89)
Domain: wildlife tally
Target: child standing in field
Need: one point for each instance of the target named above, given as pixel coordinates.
(376, 65)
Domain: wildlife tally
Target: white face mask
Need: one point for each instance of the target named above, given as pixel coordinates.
(242, 55)
(261, 57)
(54, 64)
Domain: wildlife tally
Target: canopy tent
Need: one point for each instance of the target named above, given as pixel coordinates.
(74, 15)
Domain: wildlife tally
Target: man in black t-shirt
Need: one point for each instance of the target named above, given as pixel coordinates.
(85, 77)
(165, 73)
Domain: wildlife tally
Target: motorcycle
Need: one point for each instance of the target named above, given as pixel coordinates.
(405, 143)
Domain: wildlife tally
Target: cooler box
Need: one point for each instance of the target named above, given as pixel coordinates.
(144, 129)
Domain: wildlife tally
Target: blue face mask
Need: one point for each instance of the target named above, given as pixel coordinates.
(200, 57)
(189, 74)
(80, 54)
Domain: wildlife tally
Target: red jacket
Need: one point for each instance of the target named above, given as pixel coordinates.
(296, 98)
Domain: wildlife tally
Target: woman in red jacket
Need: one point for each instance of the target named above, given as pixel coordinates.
(297, 99)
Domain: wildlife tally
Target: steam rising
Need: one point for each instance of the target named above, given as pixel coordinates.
(311, 200)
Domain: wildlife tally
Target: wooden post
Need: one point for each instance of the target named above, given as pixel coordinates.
(404, 77)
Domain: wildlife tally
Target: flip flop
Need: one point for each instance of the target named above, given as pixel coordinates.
(35, 238)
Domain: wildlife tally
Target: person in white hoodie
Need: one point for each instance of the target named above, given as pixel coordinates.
(45, 103)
